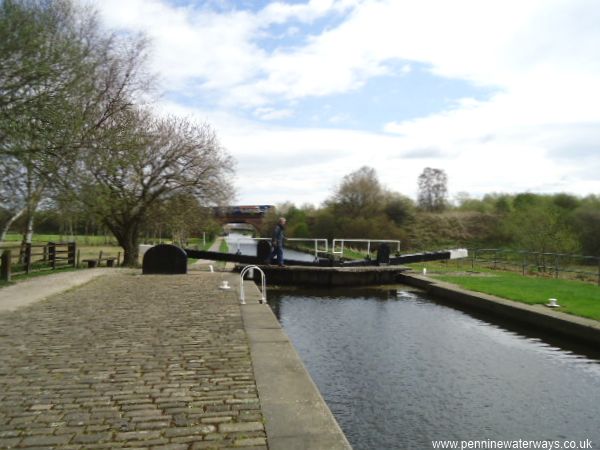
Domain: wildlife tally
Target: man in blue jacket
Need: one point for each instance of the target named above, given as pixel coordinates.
(277, 242)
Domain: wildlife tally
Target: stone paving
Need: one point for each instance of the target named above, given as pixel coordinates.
(125, 361)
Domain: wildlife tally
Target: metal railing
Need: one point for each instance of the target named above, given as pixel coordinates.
(321, 245)
(263, 283)
(323, 249)
(341, 243)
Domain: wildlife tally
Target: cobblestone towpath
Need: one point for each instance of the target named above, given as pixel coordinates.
(129, 361)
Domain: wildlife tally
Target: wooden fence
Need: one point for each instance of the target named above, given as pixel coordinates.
(32, 258)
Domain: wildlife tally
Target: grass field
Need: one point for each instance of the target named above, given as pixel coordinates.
(575, 297)
(15, 238)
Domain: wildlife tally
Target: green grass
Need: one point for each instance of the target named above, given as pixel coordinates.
(92, 251)
(15, 238)
(223, 247)
(41, 273)
(351, 253)
(575, 297)
(443, 266)
(197, 242)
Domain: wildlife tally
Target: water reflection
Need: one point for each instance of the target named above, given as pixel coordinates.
(399, 370)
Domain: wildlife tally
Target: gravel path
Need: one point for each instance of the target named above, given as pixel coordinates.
(35, 289)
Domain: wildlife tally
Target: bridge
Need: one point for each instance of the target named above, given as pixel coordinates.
(242, 217)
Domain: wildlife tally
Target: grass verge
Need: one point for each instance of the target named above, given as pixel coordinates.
(575, 297)
(223, 247)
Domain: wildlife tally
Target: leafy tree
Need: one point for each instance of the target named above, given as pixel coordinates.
(61, 79)
(567, 202)
(538, 225)
(324, 226)
(21, 192)
(296, 226)
(502, 203)
(12, 193)
(399, 208)
(37, 70)
(433, 189)
(359, 194)
(587, 222)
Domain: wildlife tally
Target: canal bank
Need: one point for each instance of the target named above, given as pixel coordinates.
(296, 416)
(586, 331)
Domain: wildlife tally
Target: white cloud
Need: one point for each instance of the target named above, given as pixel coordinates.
(502, 44)
(272, 113)
(540, 57)
(280, 12)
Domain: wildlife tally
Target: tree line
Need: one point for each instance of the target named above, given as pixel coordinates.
(78, 134)
(361, 207)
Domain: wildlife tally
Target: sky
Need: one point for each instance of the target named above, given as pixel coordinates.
(504, 96)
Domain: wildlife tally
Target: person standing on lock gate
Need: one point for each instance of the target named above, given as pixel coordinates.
(277, 242)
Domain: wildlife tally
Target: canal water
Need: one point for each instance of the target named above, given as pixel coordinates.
(399, 370)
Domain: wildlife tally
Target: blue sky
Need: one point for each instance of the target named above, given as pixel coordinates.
(501, 95)
(396, 96)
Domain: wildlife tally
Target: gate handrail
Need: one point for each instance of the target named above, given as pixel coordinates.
(263, 284)
(315, 240)
(367, 241)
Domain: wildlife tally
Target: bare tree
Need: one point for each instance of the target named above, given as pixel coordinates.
(433, 189)
(150, 159)
(181, 215)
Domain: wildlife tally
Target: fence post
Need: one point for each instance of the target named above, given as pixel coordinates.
(71, 254)
(524, 263)
(495, 258)
(52, 254)
(27, 257)
(598, 271)
(556, 265)
(473, 260)
(543, 263)
(5, 266)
